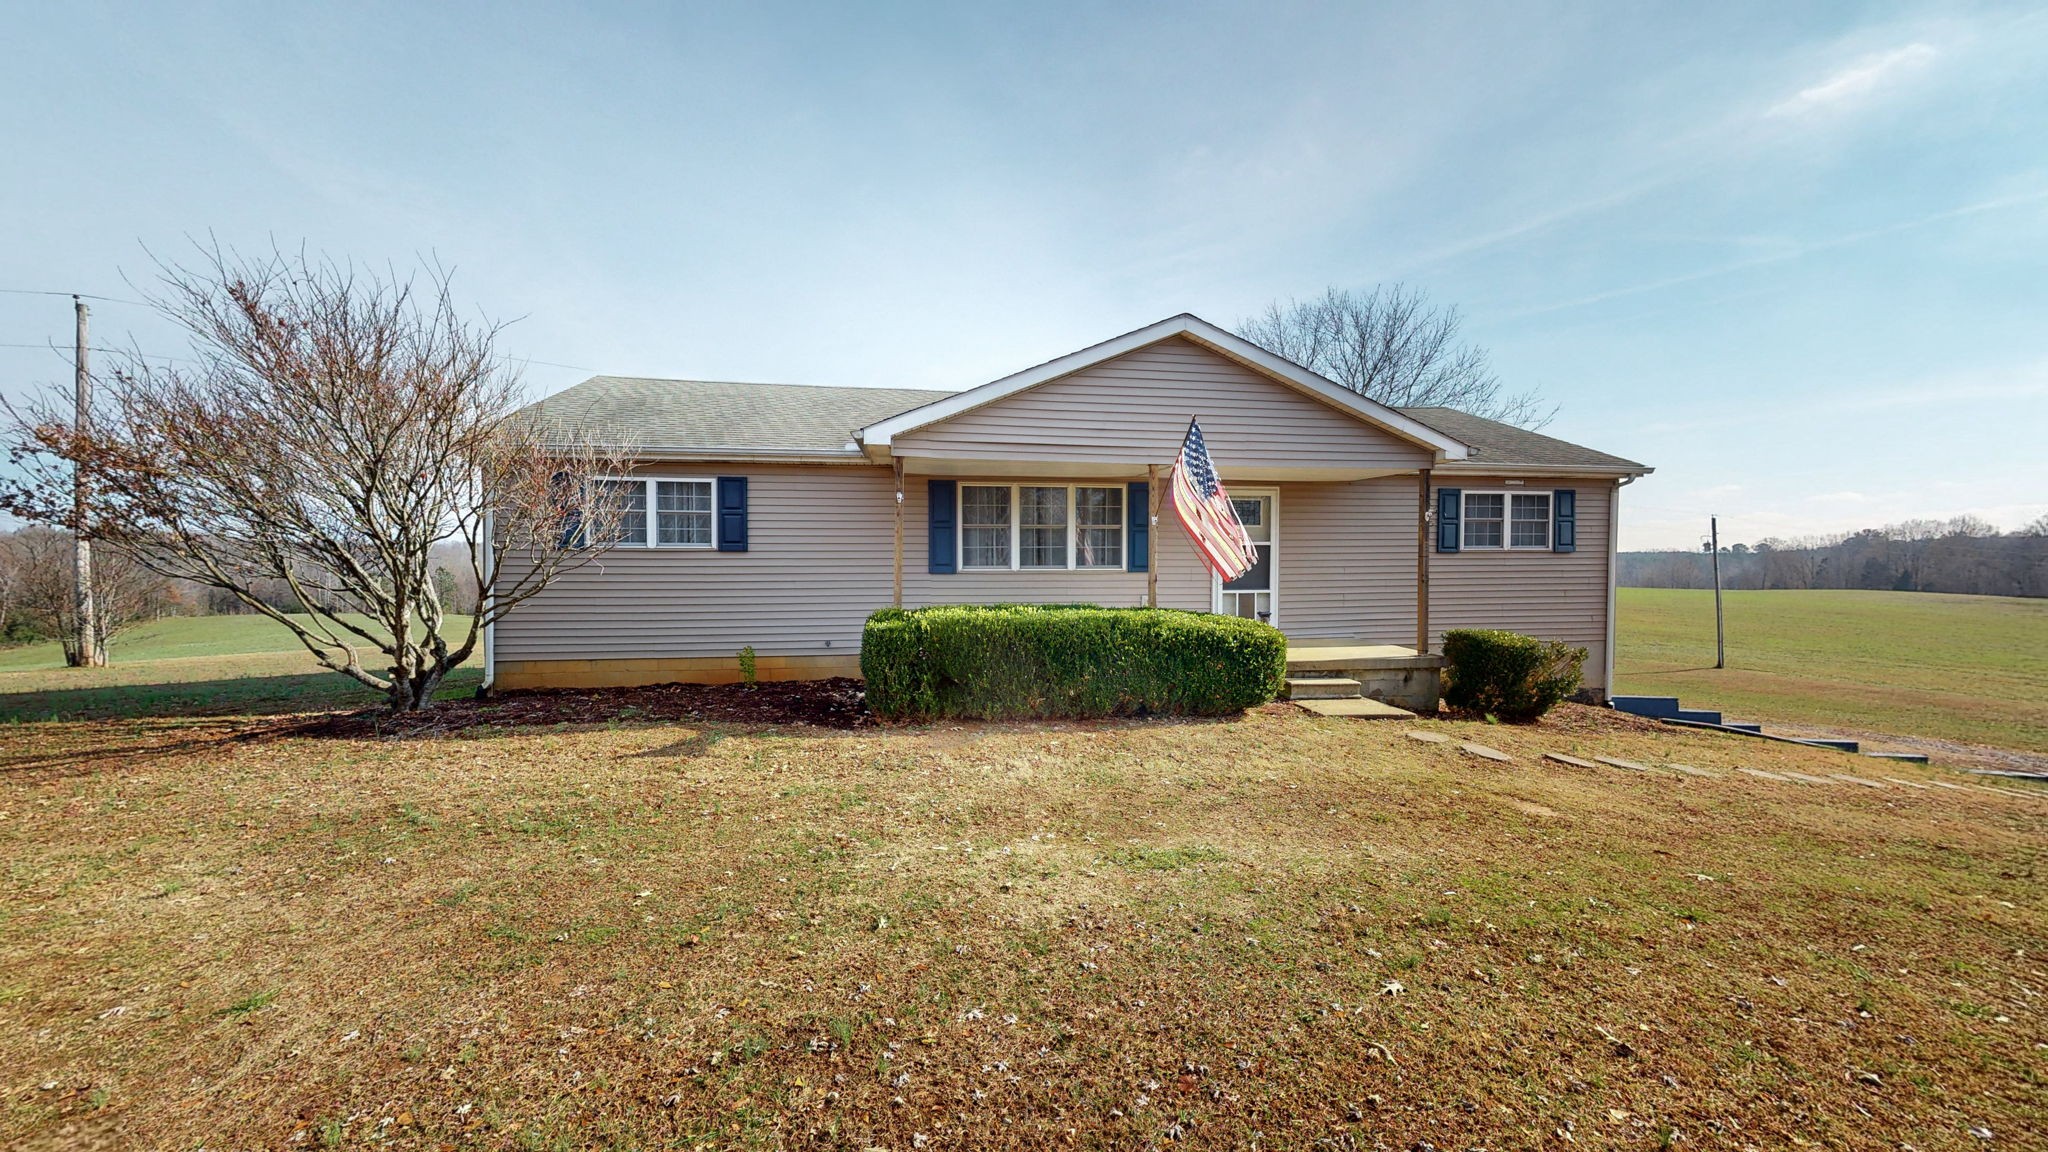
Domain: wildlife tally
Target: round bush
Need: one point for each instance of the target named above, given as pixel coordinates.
(1506, 674)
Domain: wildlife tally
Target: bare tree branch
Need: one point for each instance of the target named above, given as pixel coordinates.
(1393, 346)
(335, 428)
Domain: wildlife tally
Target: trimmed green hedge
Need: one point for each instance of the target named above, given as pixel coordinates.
(1010, 661)
(1506, 674)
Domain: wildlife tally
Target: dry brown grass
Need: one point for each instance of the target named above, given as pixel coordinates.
(1115, 934)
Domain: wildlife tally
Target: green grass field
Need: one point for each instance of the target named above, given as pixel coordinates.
(1964, 668)
(189, 665)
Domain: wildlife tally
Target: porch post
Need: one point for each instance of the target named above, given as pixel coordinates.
(1152, 536)
(1422, 563)
(896, 593)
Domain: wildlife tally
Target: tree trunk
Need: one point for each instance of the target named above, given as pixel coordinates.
(415, 693)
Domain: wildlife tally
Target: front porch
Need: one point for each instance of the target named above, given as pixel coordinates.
(1354, 669)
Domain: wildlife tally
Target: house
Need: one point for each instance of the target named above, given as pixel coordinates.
(777, 517)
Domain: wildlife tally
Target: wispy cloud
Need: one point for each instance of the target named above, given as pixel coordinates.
(1859, 81)
(1794, 252)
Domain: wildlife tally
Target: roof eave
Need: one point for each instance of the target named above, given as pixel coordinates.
(1497, 468)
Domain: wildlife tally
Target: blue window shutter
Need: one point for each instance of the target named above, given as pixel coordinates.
(572, 515)
(942, 519)
(1138, 526)
(1564, 512)
(1450, 507)
(732, 513)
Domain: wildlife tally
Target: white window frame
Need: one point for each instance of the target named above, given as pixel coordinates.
(650, 535)
(1016, 563)
(1507, 520)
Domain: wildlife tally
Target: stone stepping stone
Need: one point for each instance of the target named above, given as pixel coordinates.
(1906, 783)
(1803, 778)
(1485, 753)
(1763, 775)
(1428, 737)
(1689, 770)
(1628, 764)
(1574, 761)
(1848, 779)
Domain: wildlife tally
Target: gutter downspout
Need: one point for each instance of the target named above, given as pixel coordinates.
(486, 602)
(1613, 547)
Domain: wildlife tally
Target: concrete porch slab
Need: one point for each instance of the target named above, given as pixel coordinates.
(1341, 655)
(1357, 708)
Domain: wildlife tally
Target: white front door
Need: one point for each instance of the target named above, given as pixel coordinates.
(1255, 595)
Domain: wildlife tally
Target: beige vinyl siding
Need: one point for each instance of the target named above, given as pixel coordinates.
(1134, 409)
(1347, 560)
(1554, 595)
(818, 561)
(1183, 582)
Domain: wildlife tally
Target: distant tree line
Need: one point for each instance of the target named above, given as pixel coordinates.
(1964, 555)
(37, 598)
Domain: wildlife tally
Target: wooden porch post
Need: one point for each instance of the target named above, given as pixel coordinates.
(896, 595)
(1422, 563)
(1152, 536)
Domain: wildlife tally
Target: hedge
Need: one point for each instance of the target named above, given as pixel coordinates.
(1010, 661)
(1508, 675)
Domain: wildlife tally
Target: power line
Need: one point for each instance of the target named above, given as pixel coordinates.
(108, 351)
(76, 294)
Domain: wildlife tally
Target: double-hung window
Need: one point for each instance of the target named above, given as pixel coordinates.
(682, 513)
(1529, 520)
(1041, 526)
(658, 513)
(984, 526)
(1506, 520)
(1098, 527)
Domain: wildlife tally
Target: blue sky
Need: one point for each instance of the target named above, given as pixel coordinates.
(1795, 256)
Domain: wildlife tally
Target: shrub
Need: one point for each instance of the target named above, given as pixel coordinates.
(1007, 661)
(1507, 674)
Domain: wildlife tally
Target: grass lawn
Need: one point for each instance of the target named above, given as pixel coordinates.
(1965, 668)
(189, 665)
(1277, 931)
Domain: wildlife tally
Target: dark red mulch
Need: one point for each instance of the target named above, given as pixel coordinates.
(837, 703)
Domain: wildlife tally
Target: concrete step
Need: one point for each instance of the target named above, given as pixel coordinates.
(1356, 708)
(1321, 688)
(1697, 715)
(1655, 707)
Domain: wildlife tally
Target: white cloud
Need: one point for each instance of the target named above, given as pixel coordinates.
(1858, 81)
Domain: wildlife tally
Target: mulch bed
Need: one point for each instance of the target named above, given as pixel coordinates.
(840, 702)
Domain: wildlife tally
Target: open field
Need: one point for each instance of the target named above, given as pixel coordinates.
(188, 665)
(1972, 669)
(1277, 931)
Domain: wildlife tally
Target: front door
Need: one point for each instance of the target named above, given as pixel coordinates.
(1255, 595)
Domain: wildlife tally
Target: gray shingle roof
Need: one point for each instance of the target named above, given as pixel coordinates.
(1493, 442)
(652, 415)
(711, 415)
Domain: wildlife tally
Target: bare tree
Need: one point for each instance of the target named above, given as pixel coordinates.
(1392, 345)
(336, 425)
(37, 574)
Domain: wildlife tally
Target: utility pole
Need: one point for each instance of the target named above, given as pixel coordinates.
(1720, 636)
(86, 652)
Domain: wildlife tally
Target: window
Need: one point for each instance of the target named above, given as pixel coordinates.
(984, 526)
(1098, 527)
(682, 513)
(625, 501)
(1529, 522)
(1507, 520)
(681, 510)
(1042, 527)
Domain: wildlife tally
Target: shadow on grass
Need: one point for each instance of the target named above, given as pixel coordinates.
(235, 696)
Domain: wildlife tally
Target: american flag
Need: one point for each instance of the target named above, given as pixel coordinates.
(1205, 511)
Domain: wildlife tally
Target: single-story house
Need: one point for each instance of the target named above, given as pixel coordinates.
(777, 517)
